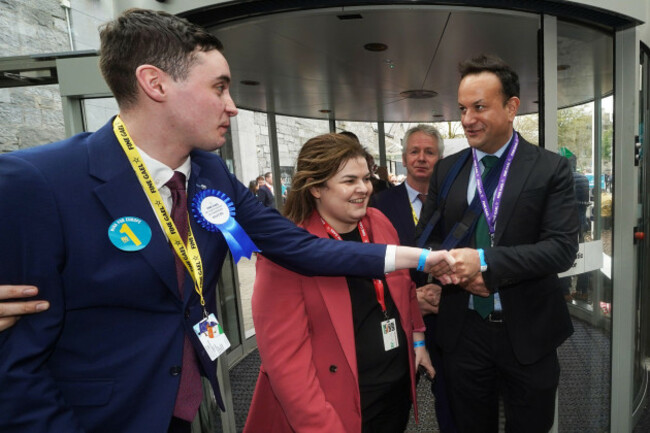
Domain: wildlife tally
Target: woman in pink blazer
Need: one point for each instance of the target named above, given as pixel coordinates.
(337, 353)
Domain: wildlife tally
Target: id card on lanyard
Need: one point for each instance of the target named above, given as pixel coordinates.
(388, 326)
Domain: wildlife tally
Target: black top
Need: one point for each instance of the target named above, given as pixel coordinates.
(380, 371)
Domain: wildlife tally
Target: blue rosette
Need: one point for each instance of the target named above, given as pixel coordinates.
(214, 211)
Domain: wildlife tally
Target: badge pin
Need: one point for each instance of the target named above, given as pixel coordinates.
(129, 233)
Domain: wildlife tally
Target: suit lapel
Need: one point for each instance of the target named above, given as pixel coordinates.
(522, 166)
(406, 211)
(121, 195)
(457, 198)
(336, 297)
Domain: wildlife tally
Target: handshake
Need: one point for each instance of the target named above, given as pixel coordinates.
(459, 266)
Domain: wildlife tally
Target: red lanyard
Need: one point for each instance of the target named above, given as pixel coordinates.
(379, 285)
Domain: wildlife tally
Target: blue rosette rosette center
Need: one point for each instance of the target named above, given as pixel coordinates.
(214, 211)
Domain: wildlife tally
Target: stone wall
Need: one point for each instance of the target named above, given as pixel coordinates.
(294, 132)
(31, 115)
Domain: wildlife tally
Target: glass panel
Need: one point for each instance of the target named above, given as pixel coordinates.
(228, 300)
(98, 111)
(642, 342)
(368, 135)
(292, 133)
(528, 127)
(585, 130)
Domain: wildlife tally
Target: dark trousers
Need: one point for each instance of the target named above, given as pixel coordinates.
(178, 425)
(483, 366)
(393, 415)
(439, 385)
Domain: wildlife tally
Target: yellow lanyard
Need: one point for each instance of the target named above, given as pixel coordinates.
(191, 259)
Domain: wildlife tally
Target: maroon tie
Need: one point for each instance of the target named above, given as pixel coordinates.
(190, 391)
(422, 198)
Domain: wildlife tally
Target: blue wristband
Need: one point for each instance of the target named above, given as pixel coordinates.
(418, 343)
(423, 259)
(481, 256)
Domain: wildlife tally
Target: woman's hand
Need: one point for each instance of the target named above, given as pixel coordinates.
(422, 356)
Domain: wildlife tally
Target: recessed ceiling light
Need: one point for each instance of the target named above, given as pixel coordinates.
(418, 94)
(250, 82)
(375, 46)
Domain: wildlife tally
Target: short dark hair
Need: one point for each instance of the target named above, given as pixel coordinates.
(140, 37)
(490, 63)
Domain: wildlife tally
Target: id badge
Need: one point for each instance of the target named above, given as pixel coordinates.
(212, 337)
(389, 331)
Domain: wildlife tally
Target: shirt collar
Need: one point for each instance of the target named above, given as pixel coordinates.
(413, 193)
(480, 154)
(161, 173)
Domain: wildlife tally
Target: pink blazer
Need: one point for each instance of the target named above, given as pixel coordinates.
(308, 379)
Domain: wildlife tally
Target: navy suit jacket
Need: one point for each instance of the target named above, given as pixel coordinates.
(395, 204)
(536, 238)
(104, 357)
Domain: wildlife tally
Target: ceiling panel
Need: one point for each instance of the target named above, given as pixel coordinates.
(309, 61)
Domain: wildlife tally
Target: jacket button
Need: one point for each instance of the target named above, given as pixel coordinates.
(333, 368)
(187, 313)
(175, 370)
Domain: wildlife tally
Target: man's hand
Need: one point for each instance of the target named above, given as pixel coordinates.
(10, 312)
(429, 298)
(476, 286)
(468, 263)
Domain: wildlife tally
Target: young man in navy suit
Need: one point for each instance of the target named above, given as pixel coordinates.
(500, 326)
(124, 232)
(423, 147)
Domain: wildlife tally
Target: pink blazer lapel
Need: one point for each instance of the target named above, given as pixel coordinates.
(334, 291)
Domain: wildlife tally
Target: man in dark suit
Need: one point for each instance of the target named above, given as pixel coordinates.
(500, 325)
(265, 191)
(423, 147)
(100, 224)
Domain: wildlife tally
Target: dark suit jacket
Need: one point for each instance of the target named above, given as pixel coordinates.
(309, 380)
(395, 204)
(536, 237)
(265, 196)
(104, 357)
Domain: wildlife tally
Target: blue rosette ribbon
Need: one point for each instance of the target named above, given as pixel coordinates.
(215, 211)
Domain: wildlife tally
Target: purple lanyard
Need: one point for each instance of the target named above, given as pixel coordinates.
(491, 215)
